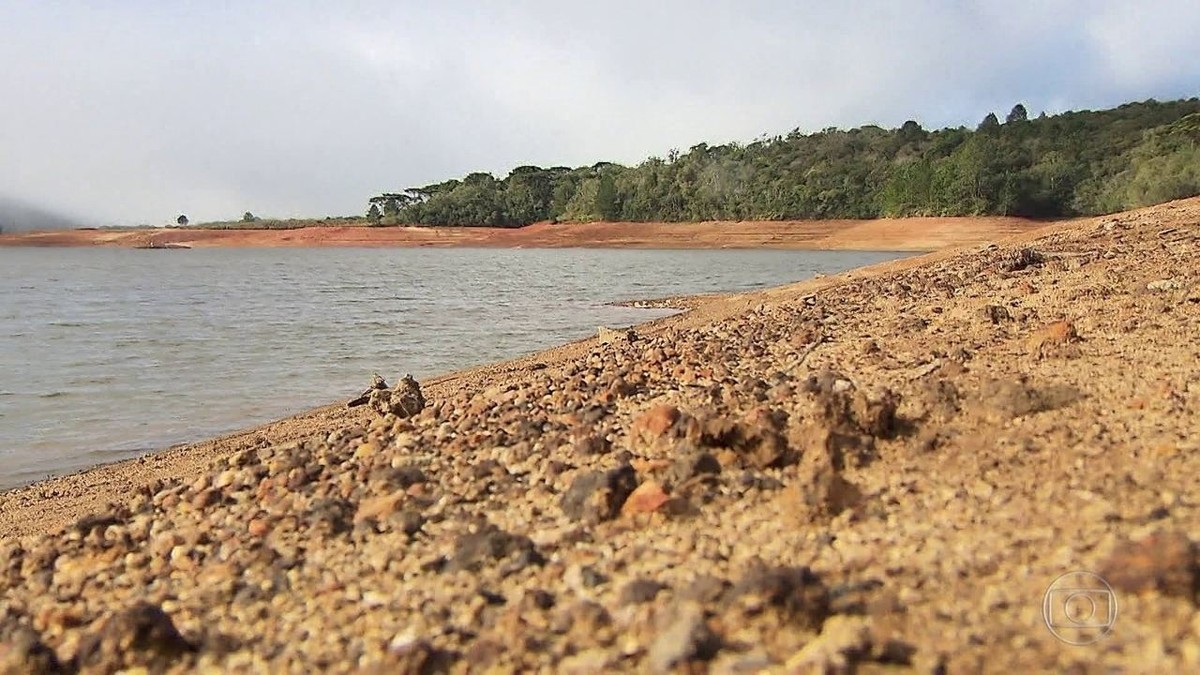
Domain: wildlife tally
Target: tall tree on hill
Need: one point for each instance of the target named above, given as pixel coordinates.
(1017, 114)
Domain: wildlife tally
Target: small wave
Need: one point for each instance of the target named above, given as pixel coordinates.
(107, 379)
(53, 394)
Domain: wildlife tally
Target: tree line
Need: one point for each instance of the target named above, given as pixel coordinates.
(1074, 163)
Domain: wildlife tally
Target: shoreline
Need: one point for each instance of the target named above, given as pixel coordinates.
(885, 234)
(890, 467)
(72, 494)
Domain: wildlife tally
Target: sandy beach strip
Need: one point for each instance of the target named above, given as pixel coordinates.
(888, 468)
(886, 234)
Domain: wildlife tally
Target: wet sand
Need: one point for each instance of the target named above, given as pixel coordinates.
(884, 468)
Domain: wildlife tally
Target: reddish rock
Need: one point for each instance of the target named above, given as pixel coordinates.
(647, 498)
(1167, 562)
(656, 422)
(379, 507)
(258, 527)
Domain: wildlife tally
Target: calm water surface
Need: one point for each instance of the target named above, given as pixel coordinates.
(107, 354)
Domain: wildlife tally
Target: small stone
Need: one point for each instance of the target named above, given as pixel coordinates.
(407, 654)
(592, 443)
(258, 527)
(685, 638)
(599, 495)
(205, 499)
(640, 591)
(411, 522)
(225, 479)
(996, 314)
(692, 466)
(367, 450)
(585, 621)
(1163, 285)
(843, 640)
(616, 335)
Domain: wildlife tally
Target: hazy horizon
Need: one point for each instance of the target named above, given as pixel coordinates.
(137, 113)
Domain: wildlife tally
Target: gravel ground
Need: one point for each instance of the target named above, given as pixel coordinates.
(884, 470)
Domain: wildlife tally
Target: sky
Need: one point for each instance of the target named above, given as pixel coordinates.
(138, 111)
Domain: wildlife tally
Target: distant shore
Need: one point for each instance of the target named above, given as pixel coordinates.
(886, 234)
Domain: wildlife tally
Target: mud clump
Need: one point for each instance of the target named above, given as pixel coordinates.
(1015, 260)
(996, 314)
(142, 635)
(1167, 562)
(1056, 339)
(23, 653)
(1008, 398)
(819, 489)
(845, 643)
(686, 638)
(795, 595)
(488, 544)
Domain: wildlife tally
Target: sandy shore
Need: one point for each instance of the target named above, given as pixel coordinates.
(909, 234)
(887, 468)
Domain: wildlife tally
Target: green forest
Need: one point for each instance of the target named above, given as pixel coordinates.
(1075, 163)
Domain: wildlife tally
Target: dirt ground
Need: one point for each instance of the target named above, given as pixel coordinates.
(885, 470)
(909, 234)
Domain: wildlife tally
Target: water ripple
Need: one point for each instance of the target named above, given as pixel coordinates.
(174, 348)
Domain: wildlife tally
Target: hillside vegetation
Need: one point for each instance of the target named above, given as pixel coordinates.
(1075, 163)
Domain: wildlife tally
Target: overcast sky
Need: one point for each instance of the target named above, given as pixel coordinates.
(135, 112)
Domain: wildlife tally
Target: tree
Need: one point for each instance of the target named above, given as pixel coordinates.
(182, 221)
(391, 209)
(606, 197)
(1017, 114)
(373, 213)
(248, 217)
(1075, 163)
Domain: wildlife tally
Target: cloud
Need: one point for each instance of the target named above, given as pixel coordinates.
(16, 216)
(140, 112)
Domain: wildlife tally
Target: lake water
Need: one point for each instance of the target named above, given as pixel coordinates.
(107, 354)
